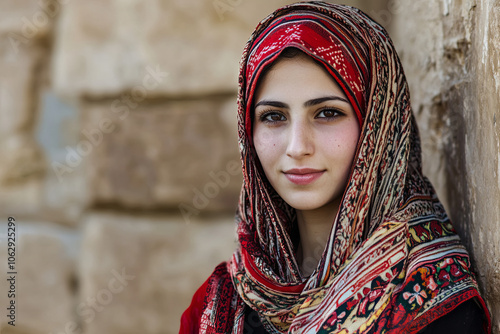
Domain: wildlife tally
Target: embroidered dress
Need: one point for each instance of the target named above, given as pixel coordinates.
(393, 262)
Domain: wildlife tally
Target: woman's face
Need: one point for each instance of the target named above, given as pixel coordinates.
(305, 133)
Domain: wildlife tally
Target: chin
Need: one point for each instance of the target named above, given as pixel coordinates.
(306, 204)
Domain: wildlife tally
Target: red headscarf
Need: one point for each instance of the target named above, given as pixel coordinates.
(393, 261)
(344, 56)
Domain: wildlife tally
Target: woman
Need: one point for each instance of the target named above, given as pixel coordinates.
(338, 230)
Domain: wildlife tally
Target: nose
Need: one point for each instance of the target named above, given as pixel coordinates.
(300, 141)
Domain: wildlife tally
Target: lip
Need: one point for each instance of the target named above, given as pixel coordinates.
(303, 176)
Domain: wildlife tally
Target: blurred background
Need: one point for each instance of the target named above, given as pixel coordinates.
(119, 158)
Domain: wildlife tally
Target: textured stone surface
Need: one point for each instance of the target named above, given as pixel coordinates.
(103, 46)
(23, 24)
(453, 69)
(27, 20)
(163, 154)
(162, 262)
(45, 258)
(20, 58)
(25, 198)
(20, 152)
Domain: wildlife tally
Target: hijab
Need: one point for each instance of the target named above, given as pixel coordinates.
(393, 261)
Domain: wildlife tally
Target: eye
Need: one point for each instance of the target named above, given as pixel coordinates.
(329, 113)
(272, 117)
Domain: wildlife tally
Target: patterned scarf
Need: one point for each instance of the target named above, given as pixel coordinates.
(393, 262)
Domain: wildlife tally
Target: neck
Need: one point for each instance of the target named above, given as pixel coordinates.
(314, 229)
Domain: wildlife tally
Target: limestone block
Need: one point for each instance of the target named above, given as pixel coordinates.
(63, 197)
(21, 154)
(44, 284)
(27, 20)
(22, 199)
(103, 47)
(22, 25)
(138, 274)
(161, 154)
(14, 330)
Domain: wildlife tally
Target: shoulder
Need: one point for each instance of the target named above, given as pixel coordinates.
(191, 317)
(467, 318)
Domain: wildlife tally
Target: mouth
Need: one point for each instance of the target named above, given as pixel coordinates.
(303, 176)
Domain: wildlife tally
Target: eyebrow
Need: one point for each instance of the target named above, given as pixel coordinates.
(308, 103)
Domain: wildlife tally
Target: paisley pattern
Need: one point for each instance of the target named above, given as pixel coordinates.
(393, 262)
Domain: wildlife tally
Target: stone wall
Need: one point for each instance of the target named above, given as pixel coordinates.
(451, 54)
(119, 156)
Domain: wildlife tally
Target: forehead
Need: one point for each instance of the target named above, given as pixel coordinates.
(296, 77)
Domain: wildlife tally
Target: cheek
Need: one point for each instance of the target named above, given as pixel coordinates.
(342, 145)
(351, 139)
(266, 146)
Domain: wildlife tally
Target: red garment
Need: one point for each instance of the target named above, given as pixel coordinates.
(216, 289)
(190, 320)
